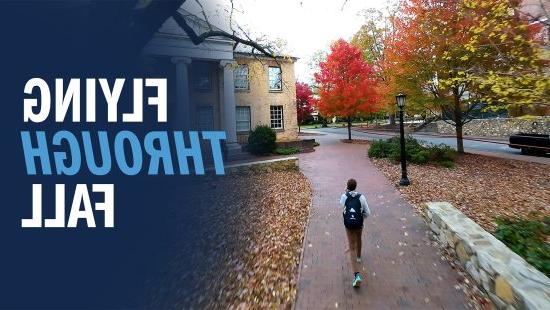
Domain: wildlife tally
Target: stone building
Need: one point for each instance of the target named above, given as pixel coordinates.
(265, 94)
(217, 88)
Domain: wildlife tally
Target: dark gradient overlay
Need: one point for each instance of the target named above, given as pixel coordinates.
(159, 220)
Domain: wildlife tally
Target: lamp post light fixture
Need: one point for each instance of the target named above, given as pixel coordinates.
(400, 98)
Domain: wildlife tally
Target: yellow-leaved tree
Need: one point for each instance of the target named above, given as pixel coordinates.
(451, 56)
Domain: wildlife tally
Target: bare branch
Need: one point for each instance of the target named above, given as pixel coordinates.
(343, 5)
(231, 17)
(438, 117)
(469, 119)
(198, 39)
(254, 55)
(204, 14)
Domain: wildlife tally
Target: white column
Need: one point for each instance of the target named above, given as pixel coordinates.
(182, 109)
(229, 109)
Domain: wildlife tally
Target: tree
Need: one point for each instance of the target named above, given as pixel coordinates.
(347, 83)
(371, 39)
(453, 55)
(304, 102)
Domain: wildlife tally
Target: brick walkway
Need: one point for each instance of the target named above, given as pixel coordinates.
(403, 270)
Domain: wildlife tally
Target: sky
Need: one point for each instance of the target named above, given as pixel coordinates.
(307, 26)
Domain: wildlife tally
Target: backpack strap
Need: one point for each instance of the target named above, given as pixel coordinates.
(349, 196)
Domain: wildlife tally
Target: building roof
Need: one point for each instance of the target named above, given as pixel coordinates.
(258, 54)
(199, 25)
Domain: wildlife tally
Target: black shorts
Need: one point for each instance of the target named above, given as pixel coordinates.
(353, 227)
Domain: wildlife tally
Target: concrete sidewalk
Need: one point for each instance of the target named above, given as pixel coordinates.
(403, 270)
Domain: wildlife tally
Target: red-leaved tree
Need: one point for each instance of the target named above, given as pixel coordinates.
(304, 102)
(347, 83)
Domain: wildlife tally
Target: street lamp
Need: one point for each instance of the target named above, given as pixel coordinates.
(400, 98)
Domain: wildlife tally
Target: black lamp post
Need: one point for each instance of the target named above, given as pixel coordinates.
(400, 98)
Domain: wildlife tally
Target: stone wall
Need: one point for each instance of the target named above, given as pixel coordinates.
(509, 281)
(279, 164)
(501, 128)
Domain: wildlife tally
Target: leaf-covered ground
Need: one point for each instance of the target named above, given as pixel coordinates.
(482, 187)
(251, 261)
(264, 271)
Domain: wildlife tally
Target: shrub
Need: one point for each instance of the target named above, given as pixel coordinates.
(391, 148)
(380, 149)
(416, 152)
(261, 140)
(394, 153)
(420, 157)
(447, 164)
(527, 239)
(286, 150)
(441, 153)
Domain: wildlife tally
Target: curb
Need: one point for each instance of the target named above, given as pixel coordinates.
(300, 264)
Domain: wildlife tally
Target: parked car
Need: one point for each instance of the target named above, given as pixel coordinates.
(530, 143)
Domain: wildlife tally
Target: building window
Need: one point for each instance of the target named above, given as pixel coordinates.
(276, 114)
(205, 118)
(275, 79)
(241, 77)
(243, 119)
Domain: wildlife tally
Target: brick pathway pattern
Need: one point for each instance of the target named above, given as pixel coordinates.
(403, 270)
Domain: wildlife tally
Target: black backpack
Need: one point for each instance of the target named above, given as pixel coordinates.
(353, 213)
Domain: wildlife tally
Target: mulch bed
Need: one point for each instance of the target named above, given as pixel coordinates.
(482, 187)
(355, 141)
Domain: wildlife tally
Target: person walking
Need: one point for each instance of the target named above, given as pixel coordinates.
(355, 210)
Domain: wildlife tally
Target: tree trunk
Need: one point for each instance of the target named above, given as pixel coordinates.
(459, 139)
(458, 124)
(349, 128)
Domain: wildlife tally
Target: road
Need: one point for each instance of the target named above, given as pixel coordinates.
(477, 147)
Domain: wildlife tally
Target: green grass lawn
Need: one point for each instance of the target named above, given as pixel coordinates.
(310, 126)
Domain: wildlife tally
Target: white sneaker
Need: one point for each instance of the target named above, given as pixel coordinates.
(357, 280)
